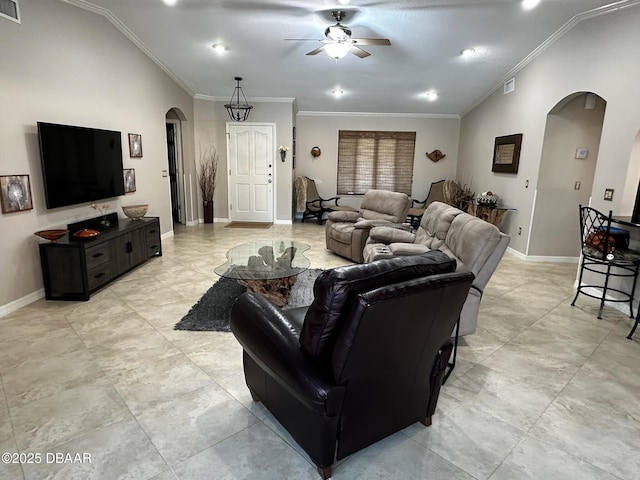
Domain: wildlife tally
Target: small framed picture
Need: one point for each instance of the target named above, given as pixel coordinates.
(608, 194)
(15, 193)
(129, 180)
(582, 153)
(135, 145)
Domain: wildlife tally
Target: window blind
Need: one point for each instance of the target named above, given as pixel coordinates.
(375, 159)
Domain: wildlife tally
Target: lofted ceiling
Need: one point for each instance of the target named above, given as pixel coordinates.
(426, 37)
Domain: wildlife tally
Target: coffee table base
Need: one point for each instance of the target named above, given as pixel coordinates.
(276, 290)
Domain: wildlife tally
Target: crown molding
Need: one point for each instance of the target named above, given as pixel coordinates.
(558, 34)
(307, 113)
(90, 7)
(216, 98)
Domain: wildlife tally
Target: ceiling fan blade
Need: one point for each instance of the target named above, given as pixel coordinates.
(304, 40)
(316, 51)
(371, 41)
(358, 52)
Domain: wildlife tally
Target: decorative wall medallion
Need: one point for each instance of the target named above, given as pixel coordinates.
(436, 156)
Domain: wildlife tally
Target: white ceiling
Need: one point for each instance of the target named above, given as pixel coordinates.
(426, 39)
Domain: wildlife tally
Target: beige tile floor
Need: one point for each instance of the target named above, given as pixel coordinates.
(542, 390)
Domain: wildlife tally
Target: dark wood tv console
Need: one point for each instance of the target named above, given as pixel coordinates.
(73, 268)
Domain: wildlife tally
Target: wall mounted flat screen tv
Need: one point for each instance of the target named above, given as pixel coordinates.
(80, 164)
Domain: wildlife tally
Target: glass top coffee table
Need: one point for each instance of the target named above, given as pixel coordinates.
(267, 267)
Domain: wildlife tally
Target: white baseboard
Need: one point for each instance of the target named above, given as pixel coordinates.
(542, 258)
(21, 302)
(200, 221)
(226, 220)
(620, 306)
(167, 235)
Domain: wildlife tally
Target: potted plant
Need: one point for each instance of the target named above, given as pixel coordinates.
(207, 179)
(464, 197)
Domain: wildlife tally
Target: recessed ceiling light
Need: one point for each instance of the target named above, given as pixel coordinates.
(344, 2)
(337, 92)
(529, 4)
(171, 3)
(431, 95)
(219, 48)
(467, 52)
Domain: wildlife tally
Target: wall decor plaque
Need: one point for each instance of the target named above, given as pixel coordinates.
(15, 193)
(506, 153)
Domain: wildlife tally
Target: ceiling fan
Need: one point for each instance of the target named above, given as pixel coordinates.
(338, 40)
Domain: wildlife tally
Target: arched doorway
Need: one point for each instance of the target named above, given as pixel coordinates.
(630, 201)
(567, 168)
(173, 120)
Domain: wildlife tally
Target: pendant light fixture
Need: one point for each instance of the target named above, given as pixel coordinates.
(238, 112)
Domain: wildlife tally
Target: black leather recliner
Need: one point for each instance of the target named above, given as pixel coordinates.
(364, 360)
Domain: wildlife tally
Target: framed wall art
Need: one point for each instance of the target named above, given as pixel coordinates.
(15, 193)
(135, 145)
(129, 180)
(506, 153)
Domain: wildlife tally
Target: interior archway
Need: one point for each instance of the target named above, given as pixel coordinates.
(567, 167)
(173, 120)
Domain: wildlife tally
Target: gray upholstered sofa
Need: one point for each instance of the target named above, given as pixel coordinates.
(476, 245)
(346, 232)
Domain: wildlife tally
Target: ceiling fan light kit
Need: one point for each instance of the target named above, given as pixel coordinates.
(238, 111)
(337, 50)
(338, 41)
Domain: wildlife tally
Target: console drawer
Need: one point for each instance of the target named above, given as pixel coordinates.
(152, 238)
(97, 255)
(98, 275)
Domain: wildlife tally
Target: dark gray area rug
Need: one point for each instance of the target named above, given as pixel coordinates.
(211, 313)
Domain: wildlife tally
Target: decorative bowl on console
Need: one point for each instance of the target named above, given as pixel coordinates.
(86, 234)
(135, 212)
(52, 235)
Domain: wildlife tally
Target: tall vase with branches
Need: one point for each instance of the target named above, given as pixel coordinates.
(207, 179)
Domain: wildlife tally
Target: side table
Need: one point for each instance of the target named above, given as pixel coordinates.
(488, 213)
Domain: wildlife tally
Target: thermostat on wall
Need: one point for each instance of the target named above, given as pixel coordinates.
(582, 153)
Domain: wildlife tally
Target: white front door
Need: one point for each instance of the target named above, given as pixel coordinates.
(250, 152)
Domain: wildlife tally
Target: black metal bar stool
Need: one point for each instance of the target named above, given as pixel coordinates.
(605, 251)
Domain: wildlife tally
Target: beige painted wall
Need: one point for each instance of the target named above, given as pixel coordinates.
(322, 130)
(555, 229)
(73, 67)
(633, 177)
(211, 120)
(598, 55)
